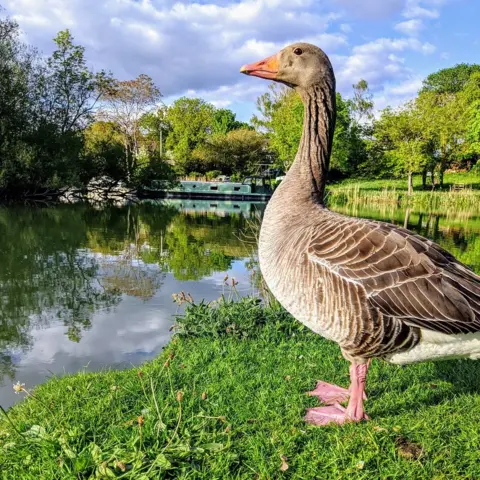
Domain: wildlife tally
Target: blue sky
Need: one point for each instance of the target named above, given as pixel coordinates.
(196, 48)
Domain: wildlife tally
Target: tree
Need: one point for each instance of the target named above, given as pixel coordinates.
(449, 80)
(124, 104)
(155, 129)
(281, 118)
(362, 102)
(442, 119)
(470, 100)
(224, 121)
(72, 89)
(103, 152)
(191, 121)
(236, 152)
(44, 107)
(406, 143)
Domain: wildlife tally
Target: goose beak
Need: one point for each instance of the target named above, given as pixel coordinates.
(267, 68)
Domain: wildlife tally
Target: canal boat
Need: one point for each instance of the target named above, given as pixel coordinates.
(253, 188)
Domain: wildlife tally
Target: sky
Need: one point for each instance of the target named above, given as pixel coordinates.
(196, 48)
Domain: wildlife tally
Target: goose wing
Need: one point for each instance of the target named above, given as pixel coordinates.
(404, 275)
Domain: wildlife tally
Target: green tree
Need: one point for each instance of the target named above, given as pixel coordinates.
(281, 118)
(405, 141)
(361, 104)
(470, 99)
(191, 121)
(449, 80)
(443, 121)
(124, 104)
(73, 90)
(224, 121)
(155, 129)
(236, 152)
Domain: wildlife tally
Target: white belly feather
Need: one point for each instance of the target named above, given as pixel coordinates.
(439, 346)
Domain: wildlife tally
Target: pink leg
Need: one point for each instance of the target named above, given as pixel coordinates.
(338, 414)
(329, 394)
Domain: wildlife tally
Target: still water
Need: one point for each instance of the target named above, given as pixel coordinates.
(84, 288)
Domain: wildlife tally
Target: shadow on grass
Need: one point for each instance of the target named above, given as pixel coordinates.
(396, 389)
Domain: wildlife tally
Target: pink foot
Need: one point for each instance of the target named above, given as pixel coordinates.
(322, 416)
(336, 413)
(331, 394)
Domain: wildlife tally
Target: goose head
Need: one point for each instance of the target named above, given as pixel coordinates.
(300, 66)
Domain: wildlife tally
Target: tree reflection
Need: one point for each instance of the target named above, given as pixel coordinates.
(62, 264)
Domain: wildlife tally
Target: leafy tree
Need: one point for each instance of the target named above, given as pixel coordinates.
(224, 121)
(449, 80)
(124, 104)
(72, 89)
(155, 129)
(281, 118)
(470, 99)
(362, 102)
(44, 106)
(443, 122)
(191, 121)
(103, 152)
(236, 152)
(406, 143)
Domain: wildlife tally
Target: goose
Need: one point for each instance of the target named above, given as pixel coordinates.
(377, 290)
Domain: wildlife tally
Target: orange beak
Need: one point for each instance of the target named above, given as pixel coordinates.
(267, 68)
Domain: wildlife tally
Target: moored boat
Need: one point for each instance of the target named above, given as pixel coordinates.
(253, 188)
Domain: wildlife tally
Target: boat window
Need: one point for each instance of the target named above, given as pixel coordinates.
(194, 186)
(236, 189)
(213, 188)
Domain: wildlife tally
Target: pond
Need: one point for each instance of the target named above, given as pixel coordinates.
(83, 288)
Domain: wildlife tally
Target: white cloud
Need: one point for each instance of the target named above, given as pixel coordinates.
(378, 62)
(422, 8)
(410, 27)
(181, 45)
(409, 87)
(196, 49)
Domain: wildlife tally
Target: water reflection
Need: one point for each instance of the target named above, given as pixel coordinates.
(458, 231)
(82, 286)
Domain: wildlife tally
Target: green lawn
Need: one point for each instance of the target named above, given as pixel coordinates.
(242, 371)
(469, 179)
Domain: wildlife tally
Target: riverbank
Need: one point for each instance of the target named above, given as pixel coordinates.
(461, 191)
(226, 399)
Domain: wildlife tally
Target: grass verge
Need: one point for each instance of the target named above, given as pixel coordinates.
(225, 400)
(394, 192)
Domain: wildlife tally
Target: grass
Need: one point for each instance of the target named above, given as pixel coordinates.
(394, 192)
(225, 400)
(470, 179)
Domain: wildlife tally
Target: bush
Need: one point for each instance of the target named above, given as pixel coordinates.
(476, 168)
(243, 318)
(213, 174)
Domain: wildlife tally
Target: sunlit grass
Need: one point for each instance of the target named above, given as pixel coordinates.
(226, 399)
(470, 180)
(394, 192)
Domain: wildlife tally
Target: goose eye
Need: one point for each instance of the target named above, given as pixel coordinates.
(298, 51)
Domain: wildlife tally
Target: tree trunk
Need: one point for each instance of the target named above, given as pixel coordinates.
(410, 183)
(407, 218)
(424, 179)
(443, 167)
